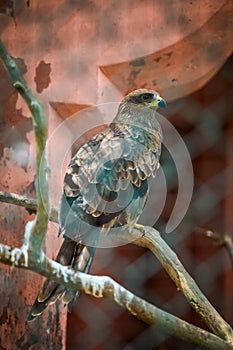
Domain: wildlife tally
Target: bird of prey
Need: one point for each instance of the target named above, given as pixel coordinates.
(114, 167)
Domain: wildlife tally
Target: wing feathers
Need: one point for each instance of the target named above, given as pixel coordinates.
(108, 167)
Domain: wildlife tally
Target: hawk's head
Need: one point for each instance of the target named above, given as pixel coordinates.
(138, 109)
(146, 97)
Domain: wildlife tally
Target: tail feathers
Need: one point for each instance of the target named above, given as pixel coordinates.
(71, 254)
(81, 262)
(37, 310)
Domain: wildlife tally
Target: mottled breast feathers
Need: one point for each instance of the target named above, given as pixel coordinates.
(108, 176)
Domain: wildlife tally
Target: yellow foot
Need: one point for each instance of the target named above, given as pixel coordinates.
(139, 227)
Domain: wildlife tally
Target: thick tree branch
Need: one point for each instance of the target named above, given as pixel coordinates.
(103, 286)
(39, 227)
(185, 283)
(151, 239)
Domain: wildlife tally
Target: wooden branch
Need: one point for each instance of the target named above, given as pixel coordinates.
(151, 239)
(185, 283)
(222, 239)
(17, 199)
(28, 203)
(39, 227)
(103, 286)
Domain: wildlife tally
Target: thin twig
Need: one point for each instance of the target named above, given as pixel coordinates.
(28, 203)
(224, 240)
(103, 286)
(19, 200)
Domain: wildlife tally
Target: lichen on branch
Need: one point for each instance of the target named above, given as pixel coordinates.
(103, 286)
(40, 130)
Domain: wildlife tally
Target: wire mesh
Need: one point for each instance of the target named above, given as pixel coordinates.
(203, 120)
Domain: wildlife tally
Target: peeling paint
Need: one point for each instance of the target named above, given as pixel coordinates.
(138, 62)
(42, 77)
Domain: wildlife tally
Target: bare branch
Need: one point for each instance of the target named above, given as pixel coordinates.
(39, 227)
(151, 239)
(103, 286)
(222, 239)
(26, 202)
(228, 242)
(17, 199)
(185, 283)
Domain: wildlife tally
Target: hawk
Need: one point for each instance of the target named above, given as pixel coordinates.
(106, 186)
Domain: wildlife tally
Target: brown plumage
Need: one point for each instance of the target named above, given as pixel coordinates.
(106, 186)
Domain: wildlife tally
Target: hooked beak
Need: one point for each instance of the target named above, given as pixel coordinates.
(161, 102)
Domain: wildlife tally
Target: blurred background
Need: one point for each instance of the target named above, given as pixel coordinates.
(76, 54)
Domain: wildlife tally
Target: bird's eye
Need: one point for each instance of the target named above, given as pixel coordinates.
(146, 97)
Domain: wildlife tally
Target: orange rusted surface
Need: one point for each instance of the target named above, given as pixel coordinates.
(182, 67)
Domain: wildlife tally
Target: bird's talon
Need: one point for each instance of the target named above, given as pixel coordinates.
(139, 227)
